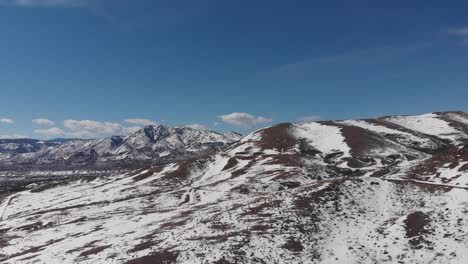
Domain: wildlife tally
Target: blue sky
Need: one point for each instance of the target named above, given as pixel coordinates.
(84, 67)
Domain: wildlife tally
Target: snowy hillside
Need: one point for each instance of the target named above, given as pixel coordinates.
(386, 190)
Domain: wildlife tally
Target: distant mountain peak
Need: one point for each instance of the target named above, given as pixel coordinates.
(152, 143)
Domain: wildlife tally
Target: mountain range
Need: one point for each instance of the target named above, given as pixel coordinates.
(383, 190)
(151, 144)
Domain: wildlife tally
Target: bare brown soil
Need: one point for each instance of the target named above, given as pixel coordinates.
(149, 173)
(278, 137)
(145, 245)
(232, 162)
(431, 165)
(293, 245)
(32, 250)
(359, 140)
(221, 238)
(258, 209)
(94, 251)
(156, 258)
(416, 225)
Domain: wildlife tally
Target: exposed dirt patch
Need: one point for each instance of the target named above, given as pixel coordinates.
(259, 208)
(308, 202)
(360, 140)
(156, 258)
(171, 225)
(149, 173)
(186, 213)
(33, 226)
(33, 249)
(429, 167)
(464, 168)
(221, 238)
(284, 175)
(381, 172)
(290, 160)
(232, 162)
(293, 245)
(290, 184)
(79, 220)
(94, 251)
(221, 226)
(306, 149)
(5, 239)
(222, 261)
(243, 170)
(278, 137)
(145, 245)
(87, 245)
(184, 167)
(416, 225)
(243, 189)
(261, 228)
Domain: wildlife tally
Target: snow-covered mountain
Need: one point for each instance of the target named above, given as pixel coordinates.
(386, 190)
(155, 143)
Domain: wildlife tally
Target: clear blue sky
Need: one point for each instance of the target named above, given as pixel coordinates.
(187, 62)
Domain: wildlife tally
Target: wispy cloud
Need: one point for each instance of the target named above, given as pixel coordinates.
(307, 119)
(244, 119)
(43, 3)
(140, 121)
(312, 66)
(6, 120)
(461, 33)
(458, 31)
(14, 136)
(197, 126)
(43, 122)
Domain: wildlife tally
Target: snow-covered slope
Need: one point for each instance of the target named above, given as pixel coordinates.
(356, 191)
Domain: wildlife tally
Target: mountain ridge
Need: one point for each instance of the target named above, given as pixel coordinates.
(128, 149)
(386, 190)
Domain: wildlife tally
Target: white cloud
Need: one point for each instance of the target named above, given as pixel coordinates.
(6, 120)
(14, 136)
(307, 119)
(459, 31)
(93, 127)
(54, 131)
(140, 121)
(244, 119)
(197, 126)
(87, 129)
(130, 130)
(44, 3)
(43, 122)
